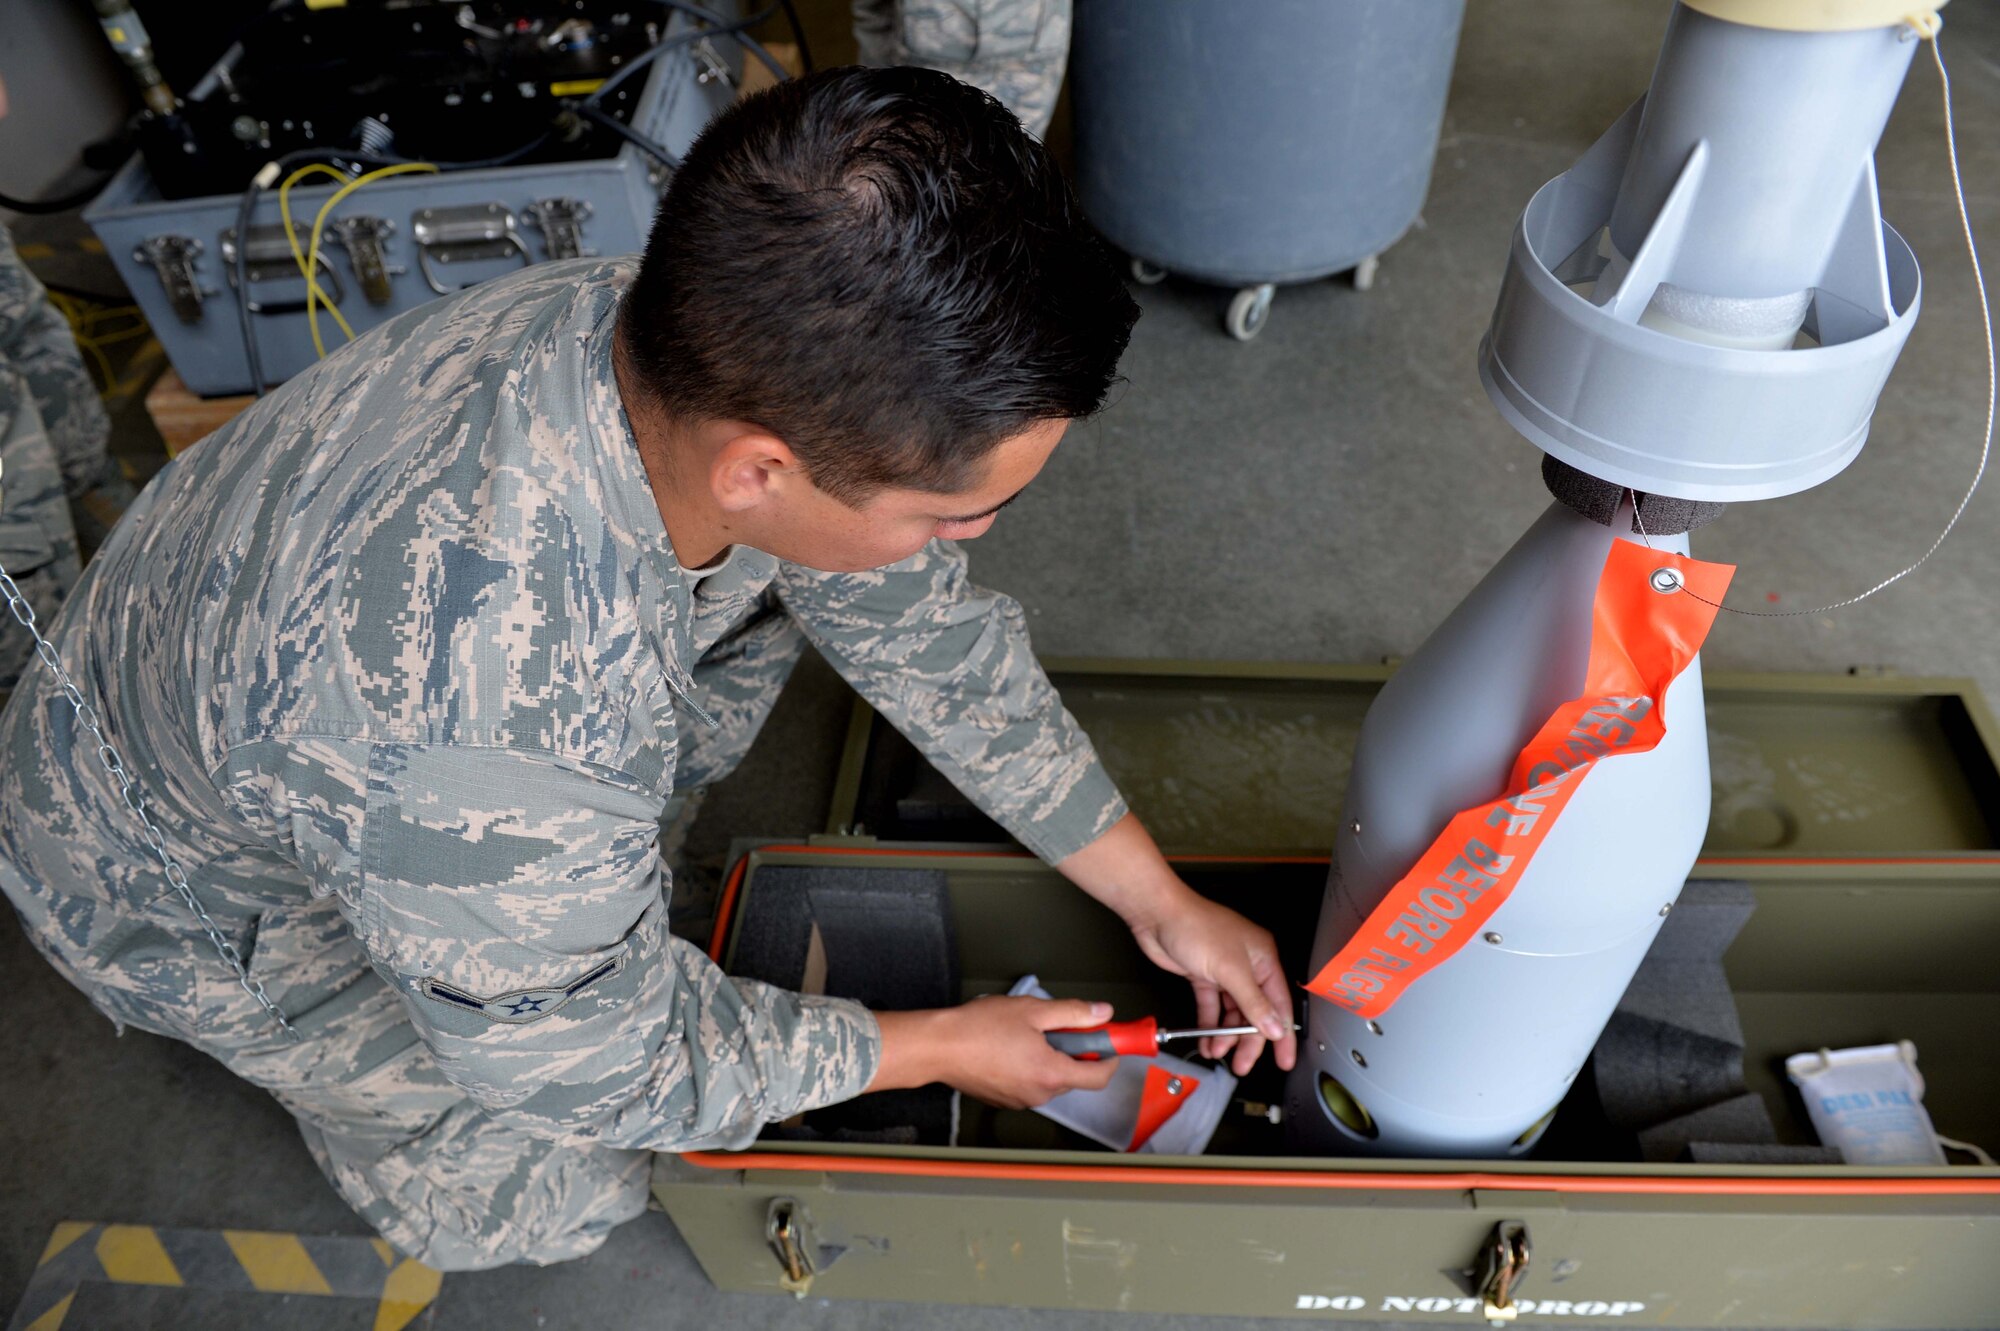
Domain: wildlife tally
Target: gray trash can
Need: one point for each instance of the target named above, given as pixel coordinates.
(1256, 142)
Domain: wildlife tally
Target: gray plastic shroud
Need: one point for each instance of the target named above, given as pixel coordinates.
(1477, 1052)
(1745, 176)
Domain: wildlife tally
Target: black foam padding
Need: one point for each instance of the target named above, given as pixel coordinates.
(932, 799)
(1740, 1120)
(1649, 1071)
(1693, 995)
(774, 931)
(1674, 1047)
(886, 935)
(921, 1116)
(1704, 922)
(888, 944)
(1682, 982)
(1658, 515)
(1736, 1153)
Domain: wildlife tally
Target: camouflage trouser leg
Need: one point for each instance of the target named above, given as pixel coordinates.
(440, 1198)
(437, 1176)
(432, 1172)
(45, 371)
(37, 541)
(35, 341)
(1014, 49)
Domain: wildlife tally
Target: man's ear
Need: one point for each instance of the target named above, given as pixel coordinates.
(752, 468)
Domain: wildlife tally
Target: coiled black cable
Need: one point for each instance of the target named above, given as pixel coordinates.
(62, 203)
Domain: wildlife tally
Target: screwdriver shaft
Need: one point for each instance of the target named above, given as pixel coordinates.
(1165, 1036)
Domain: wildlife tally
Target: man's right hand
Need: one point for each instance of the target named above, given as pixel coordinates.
(993, 1049)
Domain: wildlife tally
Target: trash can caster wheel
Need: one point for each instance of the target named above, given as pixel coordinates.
(1247, 310)
(1147, 274)
(1364, 272)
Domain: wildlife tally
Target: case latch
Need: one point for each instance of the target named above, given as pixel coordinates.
(1503, 1265)
(561, 221)
(788, 1227)
(709, 66)
(172, 257)
(366, 241)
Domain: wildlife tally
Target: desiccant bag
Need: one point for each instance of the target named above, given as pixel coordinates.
(1868, 1102)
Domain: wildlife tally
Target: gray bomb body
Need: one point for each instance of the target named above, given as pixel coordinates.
(1644, 336)
(1479, 1051)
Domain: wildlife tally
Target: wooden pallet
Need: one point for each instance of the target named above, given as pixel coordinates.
(182, 418)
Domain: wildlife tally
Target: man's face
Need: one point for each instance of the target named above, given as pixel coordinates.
(821, 532)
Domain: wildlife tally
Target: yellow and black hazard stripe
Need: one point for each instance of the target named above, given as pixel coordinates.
(40, 249)
(240, 1260)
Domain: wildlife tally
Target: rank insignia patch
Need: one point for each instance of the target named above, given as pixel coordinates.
(521, 1005)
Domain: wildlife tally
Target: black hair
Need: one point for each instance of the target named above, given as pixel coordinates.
(881, 268)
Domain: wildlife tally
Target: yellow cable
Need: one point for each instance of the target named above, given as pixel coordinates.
(105, 339)
(313, 289)
(103, 362)
(76, 314)
(319, 225)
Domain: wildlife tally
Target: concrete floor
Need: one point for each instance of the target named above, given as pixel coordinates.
(1324, 494)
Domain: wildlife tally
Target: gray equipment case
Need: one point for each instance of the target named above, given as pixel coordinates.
(408, 239)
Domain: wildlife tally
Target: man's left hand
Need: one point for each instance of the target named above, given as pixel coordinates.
(1232, 964)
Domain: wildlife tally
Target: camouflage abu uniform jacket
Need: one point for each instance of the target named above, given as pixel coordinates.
(410, 632)
(1013, 49)
(53, 433)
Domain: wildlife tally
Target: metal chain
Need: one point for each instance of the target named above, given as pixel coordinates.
(135, 800)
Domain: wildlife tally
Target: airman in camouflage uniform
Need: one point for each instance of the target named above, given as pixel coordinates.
(52, 449)
(1014, 49)
(411, 672)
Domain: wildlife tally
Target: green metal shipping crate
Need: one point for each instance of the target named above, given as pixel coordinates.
(1862, 812)
(1245, 758)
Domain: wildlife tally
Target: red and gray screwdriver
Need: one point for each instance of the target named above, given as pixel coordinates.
(1141, 1038)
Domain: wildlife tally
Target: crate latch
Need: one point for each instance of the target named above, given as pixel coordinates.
(561, 221)
(788, 1227)
(710, 66)
(1503, 1265)
(172, 257)
(463, 233)
(366, 241)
